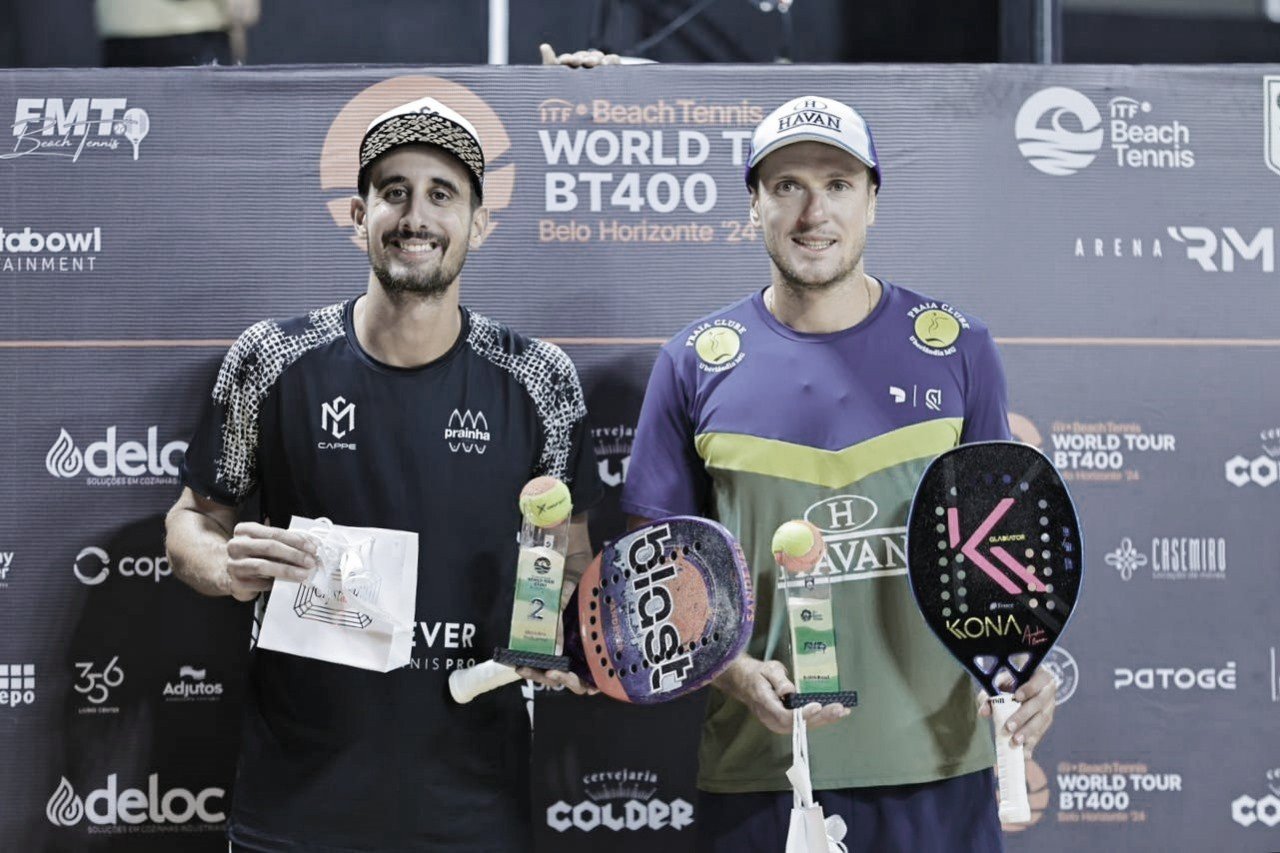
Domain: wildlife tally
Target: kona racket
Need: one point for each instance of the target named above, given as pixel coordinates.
(995, 561)
(657, 615)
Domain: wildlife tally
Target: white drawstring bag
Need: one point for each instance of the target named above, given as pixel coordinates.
(809, 831)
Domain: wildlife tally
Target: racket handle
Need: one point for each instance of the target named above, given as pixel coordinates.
(467, 684)
(1011, 770)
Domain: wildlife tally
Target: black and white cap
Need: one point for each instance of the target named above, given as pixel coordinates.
(427, 121)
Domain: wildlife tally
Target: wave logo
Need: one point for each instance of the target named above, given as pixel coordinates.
(1057, 149)
(468, 432)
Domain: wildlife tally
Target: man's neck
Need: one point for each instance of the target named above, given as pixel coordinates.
(406, 329)
(841, 306)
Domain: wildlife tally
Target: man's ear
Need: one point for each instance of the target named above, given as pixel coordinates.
(479, 227)
(358, 210)
(755, 208)
(871, 206)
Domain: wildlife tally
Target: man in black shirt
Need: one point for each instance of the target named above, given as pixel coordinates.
(397, 409)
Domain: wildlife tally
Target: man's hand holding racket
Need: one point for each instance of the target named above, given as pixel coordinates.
(1038, 699)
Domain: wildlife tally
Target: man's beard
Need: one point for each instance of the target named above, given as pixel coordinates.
(793, 278)
(420, 282)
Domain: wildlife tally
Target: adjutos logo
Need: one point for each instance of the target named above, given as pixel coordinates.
(113, 463)
(340, 157)
(109, 806)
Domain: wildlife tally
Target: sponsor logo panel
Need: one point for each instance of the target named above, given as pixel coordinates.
(623, 800)
(76, 128)
(116, 460)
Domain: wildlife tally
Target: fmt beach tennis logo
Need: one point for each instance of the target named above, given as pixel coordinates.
(74, 127)
(1061, 131)
(340, 158)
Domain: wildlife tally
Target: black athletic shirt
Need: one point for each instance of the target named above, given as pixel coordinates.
(339, 758)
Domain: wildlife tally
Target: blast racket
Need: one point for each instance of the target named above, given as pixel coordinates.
(995, 562)
(658, 614)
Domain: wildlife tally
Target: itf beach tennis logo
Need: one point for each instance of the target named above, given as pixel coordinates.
(57, 127)
(1060, 132)
(340, 160)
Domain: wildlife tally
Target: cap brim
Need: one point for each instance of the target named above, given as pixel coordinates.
(757, 156)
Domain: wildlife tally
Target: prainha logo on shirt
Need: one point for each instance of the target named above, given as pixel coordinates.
(718, 344)
(936, 328)
(467, 432)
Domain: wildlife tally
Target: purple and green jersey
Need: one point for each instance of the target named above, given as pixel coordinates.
(752, 423)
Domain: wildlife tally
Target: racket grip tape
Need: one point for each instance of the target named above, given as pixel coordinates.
(467, 684)
(1011, 770)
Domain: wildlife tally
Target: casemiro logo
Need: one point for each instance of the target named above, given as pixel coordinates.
(109, 806)
(114, 463)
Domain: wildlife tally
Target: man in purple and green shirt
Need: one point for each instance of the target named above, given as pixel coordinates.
(824, 396)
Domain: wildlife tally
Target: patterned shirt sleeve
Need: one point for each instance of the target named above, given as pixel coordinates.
(986, 406)
(665, 477)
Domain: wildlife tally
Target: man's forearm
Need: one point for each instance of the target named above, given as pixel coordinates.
(197, 549)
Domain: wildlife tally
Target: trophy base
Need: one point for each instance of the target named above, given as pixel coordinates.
(514, 658)
(847, 698)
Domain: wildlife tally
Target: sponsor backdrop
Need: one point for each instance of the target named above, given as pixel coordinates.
(1116, 227)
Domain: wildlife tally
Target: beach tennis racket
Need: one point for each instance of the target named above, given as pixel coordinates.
(995, 561)
(658, 614)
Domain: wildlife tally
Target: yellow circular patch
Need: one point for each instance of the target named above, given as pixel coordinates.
(937, 329)
(718, 345)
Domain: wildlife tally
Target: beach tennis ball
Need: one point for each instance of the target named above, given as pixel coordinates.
(797, 546)
(545, 502)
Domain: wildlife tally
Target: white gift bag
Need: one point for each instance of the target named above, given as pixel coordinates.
(357, 606)
(809, 831)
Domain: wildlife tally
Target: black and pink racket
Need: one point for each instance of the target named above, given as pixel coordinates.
(995, 561)
(658, 614)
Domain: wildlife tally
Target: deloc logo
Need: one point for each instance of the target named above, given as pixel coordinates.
(1262, 470)
(92, 566)
(1172, 558)
(338, 419)
(1168, 678)
(24, 250)
(70, 128)
(163, 809)
(855, 548)
(1105, 451)
(192, 685)
(95, 684)
(1037, 797)
(467, 432)
(620, 801)
(1271, 119)
(613, 452)
(340, 156)
(6, 566)
(17, 684)
(1060, 132)
(1263, 810)
(1066, 675)
(718, 344)
(110, 462)
(1113, 792)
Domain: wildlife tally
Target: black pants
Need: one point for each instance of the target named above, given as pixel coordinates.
(189, 49)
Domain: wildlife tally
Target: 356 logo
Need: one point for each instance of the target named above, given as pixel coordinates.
(95, 684)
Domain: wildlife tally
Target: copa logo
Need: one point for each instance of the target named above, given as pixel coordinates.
(109, 806)
(339, 158)
(1059, 149)
(120, 462)
(92, 566)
